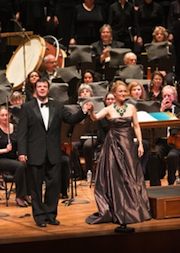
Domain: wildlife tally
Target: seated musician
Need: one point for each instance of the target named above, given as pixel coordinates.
(137, 92)
(130, 58)
(50, 64)
(101, 48)
(8, 158)
(84, 91)
(130, 69)
(160, 34)
(155, 89)
(89, 76)
(32, 78)
(169, 147)
(15, 101)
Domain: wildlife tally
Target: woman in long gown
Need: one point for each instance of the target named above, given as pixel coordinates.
(120, 191)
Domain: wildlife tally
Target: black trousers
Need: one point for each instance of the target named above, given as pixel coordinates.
(44, 206)
(173, 158)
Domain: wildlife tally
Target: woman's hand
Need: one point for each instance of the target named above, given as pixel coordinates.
(140, 41)
(140, 150)
(9, 147)
(72, 41)
(56, 21)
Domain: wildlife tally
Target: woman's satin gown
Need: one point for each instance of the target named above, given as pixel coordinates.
(120, 190)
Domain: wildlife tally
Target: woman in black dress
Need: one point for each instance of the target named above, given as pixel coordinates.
(8, 158)
(87, 21)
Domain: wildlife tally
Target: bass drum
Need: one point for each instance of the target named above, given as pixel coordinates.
(29, 56)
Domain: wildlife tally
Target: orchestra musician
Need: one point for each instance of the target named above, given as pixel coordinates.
(8, 158)
(50, 71)
(84, 91)
(101, 48)
(167, 147)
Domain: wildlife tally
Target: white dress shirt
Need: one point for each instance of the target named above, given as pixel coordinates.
(44, 112)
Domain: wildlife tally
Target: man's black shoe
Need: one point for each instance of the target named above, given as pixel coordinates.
(54, 222)
(41, 224)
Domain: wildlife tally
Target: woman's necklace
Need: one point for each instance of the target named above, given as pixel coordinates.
(122, 110)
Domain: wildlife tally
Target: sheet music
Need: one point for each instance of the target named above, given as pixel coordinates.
(145, 117)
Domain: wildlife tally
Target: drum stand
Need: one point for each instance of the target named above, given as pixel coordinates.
(24, 35)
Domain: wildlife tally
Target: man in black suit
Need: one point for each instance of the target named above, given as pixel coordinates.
(39, 145)
(101, 48)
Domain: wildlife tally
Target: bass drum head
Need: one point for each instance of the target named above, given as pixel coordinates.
(25, 59)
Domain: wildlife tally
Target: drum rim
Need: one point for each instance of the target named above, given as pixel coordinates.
(41, 56)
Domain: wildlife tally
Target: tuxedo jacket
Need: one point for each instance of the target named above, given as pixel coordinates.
(34, 140)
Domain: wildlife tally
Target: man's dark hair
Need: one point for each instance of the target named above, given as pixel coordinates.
(42, 80)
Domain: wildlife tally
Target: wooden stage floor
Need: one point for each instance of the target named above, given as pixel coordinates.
(19, 233)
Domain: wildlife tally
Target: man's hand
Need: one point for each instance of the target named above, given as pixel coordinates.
(87, 107)
(165, 104)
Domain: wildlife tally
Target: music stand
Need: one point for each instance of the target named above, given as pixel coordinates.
(131, 71)
(116, 59)
(80, 53)
(5, 91)
(92, 126)
(159, 56)
(71, 76)
(117, 56)
(99, 88)
(72, 133)
(59, 91)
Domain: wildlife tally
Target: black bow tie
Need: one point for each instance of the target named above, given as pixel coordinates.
(44, 104)
(107, 45)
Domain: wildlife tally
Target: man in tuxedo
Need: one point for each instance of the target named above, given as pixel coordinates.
(164, 146)
(50, 72)
(101, 48)
(39, 145)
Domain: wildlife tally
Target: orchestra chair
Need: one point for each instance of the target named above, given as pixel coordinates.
(8, 178)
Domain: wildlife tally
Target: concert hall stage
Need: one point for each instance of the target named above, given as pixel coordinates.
(18, 232)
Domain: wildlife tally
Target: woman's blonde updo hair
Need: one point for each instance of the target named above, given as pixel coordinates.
(116, 84)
